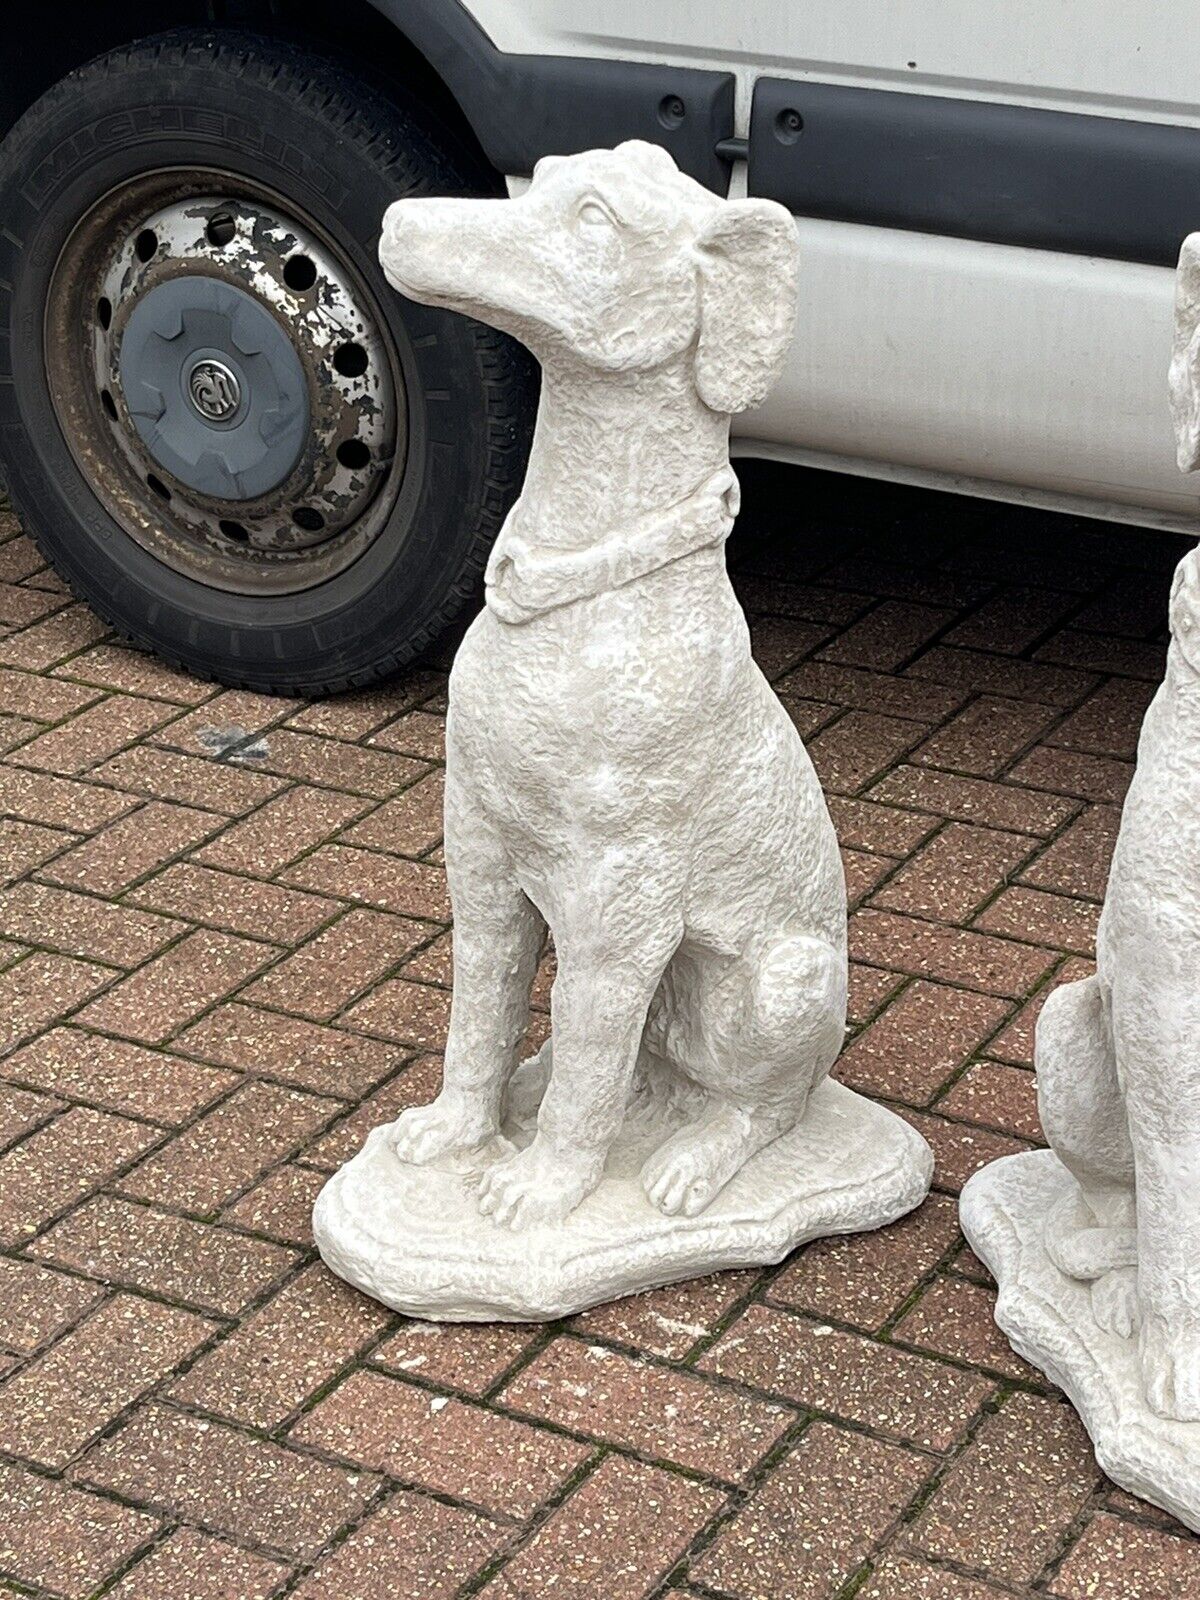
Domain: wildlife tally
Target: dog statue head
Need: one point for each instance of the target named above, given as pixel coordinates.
(1183, 376)
(614, 261)
(1184, 380)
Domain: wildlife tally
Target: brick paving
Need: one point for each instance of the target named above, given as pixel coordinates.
(224, 958)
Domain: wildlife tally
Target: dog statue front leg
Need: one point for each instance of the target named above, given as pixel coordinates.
(601, 996)
(498, 936)
(1161, 1029)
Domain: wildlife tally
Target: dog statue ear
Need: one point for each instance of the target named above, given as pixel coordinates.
(1184, 376)
(748, 258)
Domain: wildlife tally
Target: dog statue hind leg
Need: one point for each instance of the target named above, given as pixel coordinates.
(1092, 1233)
(789, 1024)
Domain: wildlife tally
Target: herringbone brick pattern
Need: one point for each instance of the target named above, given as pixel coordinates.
(224, 957)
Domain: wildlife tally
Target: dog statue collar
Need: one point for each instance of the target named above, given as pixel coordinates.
(525, 580)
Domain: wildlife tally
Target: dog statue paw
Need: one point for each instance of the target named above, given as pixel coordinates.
(534, 1185)
(620, 773)
(452, 1122)
(1095, 1244)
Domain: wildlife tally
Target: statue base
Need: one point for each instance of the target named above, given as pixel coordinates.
(1047, 1318)
(414, 1237)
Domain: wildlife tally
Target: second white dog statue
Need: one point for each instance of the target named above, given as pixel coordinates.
(619, 769)
(1095, 1243)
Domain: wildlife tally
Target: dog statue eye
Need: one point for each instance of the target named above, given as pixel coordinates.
(593, 215)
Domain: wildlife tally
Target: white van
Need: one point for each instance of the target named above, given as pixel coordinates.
(250, 455)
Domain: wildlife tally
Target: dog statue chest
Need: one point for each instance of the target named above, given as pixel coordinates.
(587, 693)
(1156, 864)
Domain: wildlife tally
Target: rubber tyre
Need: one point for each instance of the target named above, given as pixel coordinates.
(339, 150)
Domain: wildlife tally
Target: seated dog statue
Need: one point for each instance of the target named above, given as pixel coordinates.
(1118, 1055)
(618, 770)
(1107, 1252)
(617, 765)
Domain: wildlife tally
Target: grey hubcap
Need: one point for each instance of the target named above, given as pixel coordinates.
(214, 387)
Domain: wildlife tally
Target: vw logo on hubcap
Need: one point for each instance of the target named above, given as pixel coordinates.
(214, 390)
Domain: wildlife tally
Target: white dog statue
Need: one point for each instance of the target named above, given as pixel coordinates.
(619, 769)
(1096, 1246)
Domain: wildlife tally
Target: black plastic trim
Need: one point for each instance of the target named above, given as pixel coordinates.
(1050, 180)
(522, 107)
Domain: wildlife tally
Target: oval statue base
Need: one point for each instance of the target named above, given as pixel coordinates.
(1048, 1319)
(414, 1237)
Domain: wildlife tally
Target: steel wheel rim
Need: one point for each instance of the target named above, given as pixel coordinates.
(280, 441)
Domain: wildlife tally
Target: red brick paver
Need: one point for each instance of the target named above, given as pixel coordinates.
(414, 1546)
(201, 1567)
(216, 975)
(254, 1490)
(814, 1519)
(478, 1456)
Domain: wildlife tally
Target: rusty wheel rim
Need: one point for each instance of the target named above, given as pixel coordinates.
(225, 382)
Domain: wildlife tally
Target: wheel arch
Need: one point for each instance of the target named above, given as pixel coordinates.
(509, 109)
(399, 41)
